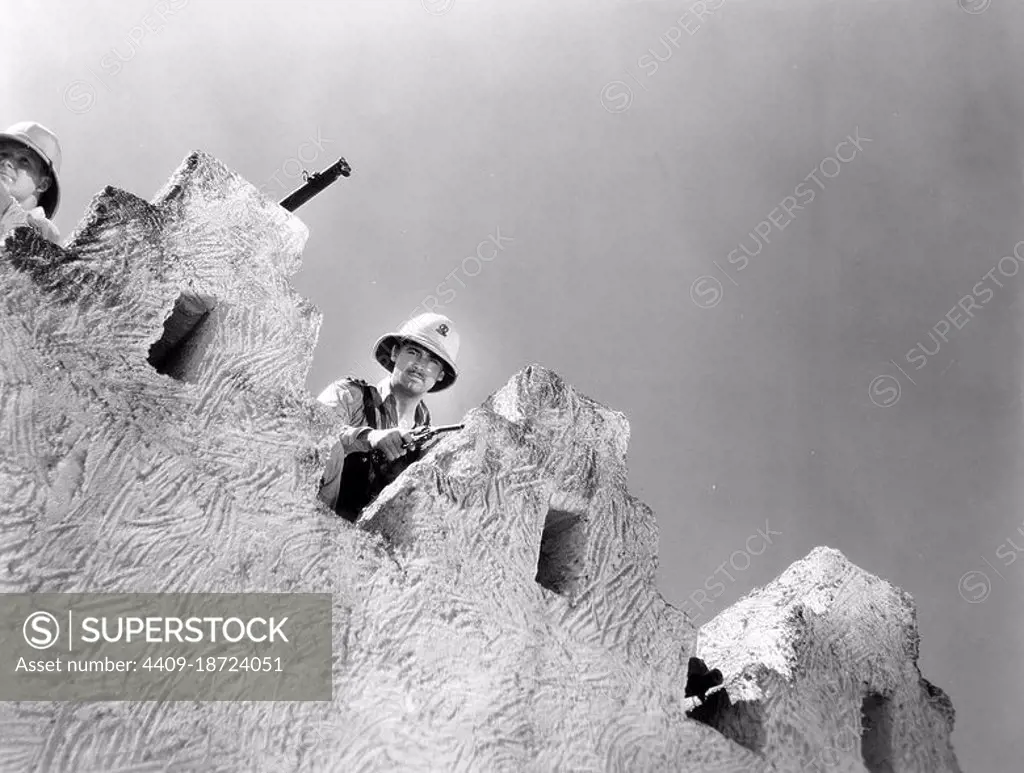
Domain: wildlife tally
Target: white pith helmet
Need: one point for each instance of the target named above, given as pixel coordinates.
(436, 334)
(43, 143)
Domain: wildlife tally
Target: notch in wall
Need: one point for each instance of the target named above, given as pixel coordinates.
(876, 733)
(171, 355)
(562, 552)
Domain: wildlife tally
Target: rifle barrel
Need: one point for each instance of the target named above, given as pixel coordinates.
(315, 183)
(438, 429)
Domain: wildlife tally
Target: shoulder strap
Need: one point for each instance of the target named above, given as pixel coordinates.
(370, 401)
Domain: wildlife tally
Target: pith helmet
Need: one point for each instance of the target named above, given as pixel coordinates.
(45, 144)
(435, 333)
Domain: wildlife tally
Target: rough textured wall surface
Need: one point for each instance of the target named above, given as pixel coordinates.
(820, 666)
(495, 609)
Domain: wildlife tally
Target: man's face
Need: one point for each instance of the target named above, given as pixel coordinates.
(416, 369)
(21, 171)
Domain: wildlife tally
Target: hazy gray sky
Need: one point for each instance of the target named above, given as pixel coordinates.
(626, 153)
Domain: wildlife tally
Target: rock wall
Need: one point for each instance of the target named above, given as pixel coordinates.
(495, 609)
(821, 667)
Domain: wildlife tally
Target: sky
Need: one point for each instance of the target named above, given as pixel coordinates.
(778, 236)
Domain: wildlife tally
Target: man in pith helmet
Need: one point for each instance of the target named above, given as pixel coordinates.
(30, 159)
(420, 358)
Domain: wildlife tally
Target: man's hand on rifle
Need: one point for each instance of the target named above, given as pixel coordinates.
(393, 443)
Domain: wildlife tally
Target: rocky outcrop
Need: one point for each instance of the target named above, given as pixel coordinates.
(495, 609)
(820, 667)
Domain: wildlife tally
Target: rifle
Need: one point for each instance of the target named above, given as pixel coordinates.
(385, 472)
(364, 475)
(420, 437)
(314, 183)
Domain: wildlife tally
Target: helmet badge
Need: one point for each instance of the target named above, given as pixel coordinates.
(442, 329)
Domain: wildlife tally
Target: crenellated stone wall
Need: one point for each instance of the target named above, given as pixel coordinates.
(495, 609)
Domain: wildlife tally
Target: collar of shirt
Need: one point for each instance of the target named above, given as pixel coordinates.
(390, 405)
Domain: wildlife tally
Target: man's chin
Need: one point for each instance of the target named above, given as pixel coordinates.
(415, 385)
